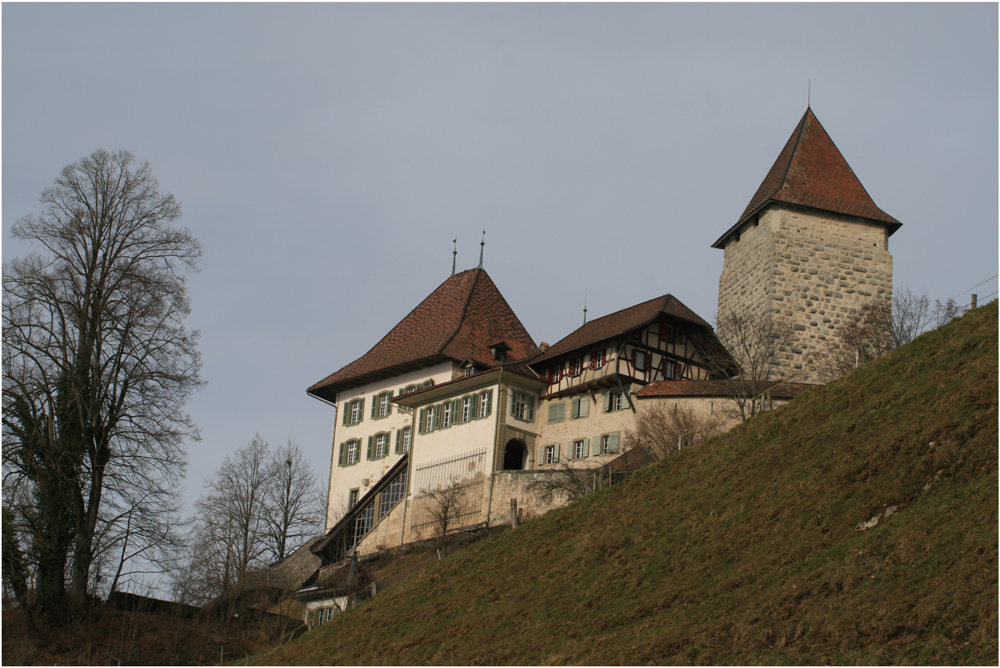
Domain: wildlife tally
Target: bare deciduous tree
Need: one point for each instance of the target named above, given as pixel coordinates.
(97, 362)
(257, 509)
(445, 504)
(662, 431)
(563, 480)
(294, 502)
(755, 344)
(882, 325)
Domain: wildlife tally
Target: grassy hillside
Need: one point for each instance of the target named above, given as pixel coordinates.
(745, 549)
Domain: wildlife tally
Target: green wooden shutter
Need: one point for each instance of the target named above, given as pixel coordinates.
(437, 416)
(371, 447)
(347, 413)
(607, 401)
(612, 443)
(342, 459)
(596, 450)
(422, 420)
(584, 406)
(489, 402)
(375, 403)
(529, 412)
(586, 447)
(456, 411)
(361, 409)
(558, 451)
(399, 441)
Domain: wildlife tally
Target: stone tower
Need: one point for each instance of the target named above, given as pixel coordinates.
(810, 248)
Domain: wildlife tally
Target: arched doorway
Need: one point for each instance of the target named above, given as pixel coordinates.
(515, 456)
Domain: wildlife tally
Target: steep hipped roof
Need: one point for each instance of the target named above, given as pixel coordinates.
(810, 171)
(460, 320)
(623, 321)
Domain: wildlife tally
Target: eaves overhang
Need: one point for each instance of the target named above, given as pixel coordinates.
(329, 391)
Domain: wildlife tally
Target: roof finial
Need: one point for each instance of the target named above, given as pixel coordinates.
(585, 309)
(482, 244)
(809, 92)
(454, 255)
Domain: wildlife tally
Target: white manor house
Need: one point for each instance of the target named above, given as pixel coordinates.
(459, 393)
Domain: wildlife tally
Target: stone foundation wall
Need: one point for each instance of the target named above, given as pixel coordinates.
(812, 270)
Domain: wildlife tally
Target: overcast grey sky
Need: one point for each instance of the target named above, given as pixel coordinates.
(326, 156)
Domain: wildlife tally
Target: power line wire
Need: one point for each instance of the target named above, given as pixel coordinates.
(974, 287)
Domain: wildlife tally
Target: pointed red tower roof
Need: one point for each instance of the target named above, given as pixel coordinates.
(810, 171)
(460, 320)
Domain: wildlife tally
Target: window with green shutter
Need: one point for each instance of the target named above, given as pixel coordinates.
(353, 447)
(557, 412)
(485, 403)
(581, 407)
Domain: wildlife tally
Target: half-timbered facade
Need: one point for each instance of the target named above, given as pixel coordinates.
(593, 373)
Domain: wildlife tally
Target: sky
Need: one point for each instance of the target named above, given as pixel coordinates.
(326, 155)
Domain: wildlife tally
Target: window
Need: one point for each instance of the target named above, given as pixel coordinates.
(640, 360)
(404, 437)
(581, 407)
(486, 404)
(551, 455)
(446, 415)
(378, 446)
(557, 412)
(668, 333)
(428, 419)
(597, 359)
(580, 449)
(382, 407)
(363, 524)
(669, 369)
(429, 382)
(354, 411)
(470, 370)
(577, 367)
(466, 409)
(392, 494)
(555, 373)
(523, 406)
(352, 498)
(349, 453)
(609, 444)
(614, 400)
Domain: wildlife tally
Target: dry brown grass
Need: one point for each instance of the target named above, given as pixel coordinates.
(744, 549)
(113, 637)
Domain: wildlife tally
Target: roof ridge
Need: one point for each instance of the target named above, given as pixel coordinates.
(465, 306)
(791, 155)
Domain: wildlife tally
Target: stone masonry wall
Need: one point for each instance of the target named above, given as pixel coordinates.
(810, 268)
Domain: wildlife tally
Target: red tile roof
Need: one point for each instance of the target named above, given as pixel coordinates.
(458, 321)
(811, 172)
(623, 321)
(714, 388)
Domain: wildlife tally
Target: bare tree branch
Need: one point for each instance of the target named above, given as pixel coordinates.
(97, 362)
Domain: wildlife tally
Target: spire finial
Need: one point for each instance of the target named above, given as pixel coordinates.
(482, 245)
(585, 309)
(809, 93)
(454, 255)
